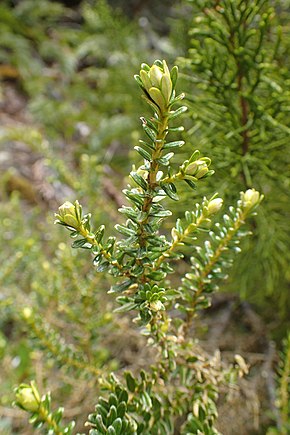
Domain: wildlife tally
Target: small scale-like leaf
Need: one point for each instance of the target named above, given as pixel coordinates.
(161, 213)
(100, 233)
(100, 425)
(117, 288)
(139, 180)
(143, 153)
(122, 408)
(111, 430)
(170, 191)
(191, 184)
(174, 114)
(175, 144)
(174, 75)
(81, 243)
(130, 306)
(130, 381)
(117, 425)
(124, 230)
(150, 132)
(112, 414)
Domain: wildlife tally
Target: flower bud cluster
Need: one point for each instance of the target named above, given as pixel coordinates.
(214, 206)
(156, 81)
(250, 199)
(70, 214)
(196, 169)
(27, 397)
(199, 168)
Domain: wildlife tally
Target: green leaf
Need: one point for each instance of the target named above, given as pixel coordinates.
(117, 425)
(122, 408)
(160, 213)
(124, 230)
(170, 191)
(102, 411)
(179, 129)
(103, 266)
(139, 180)
(130, 306)
(194, 156)
(175, 144)
(143, 153)
(112, 414)
(117, 288)
(191, 184)
(81, 244)
(165, 159)
(146, 400)
(99, 424)
(139, 81)
(149, 132)
(130, 381)
(174, 114)
(174, 76)
(111, 430)
(100, 233)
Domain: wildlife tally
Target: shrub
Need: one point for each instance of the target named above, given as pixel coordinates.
(178, 392)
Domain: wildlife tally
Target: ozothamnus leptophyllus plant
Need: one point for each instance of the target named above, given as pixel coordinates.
(179, 392)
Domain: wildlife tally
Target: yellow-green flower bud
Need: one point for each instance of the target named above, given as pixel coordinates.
(27, 312)
(157, 82)
(214, 205)
(70, 214)
(192, 168)
(66, 208)
(175, 234)
(156, 306)
(202, 172)
(250, 198)
(197, 169)
(155, 74)
(27, 397)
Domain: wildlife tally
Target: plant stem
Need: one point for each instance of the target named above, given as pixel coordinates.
(47, 418)
(207, 269)
(176, 242)
(151, 179)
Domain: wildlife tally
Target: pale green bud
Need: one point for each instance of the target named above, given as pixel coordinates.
(175, 234)
(70, 214)
(166, 87)
(156, 96)
(158, 84)
(155, 74)
(156, 306)
(214, 205)
(27, 312)
(250, 198)
(145, 79)
(197, 169)
(27, 397)
(202, 172)
(192, 168)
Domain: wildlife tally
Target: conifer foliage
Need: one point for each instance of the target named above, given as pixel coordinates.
(238, 89)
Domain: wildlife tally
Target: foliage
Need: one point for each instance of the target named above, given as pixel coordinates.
(27, 398)
(283, 392)
(238, 90)
(64, 60)
(180, 390)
